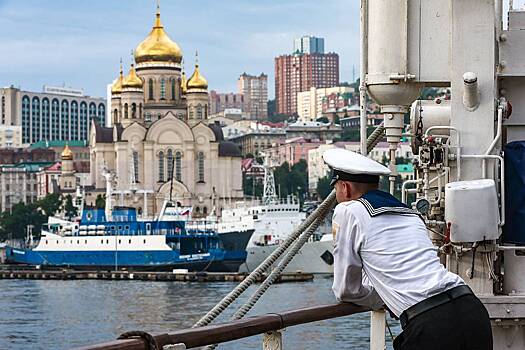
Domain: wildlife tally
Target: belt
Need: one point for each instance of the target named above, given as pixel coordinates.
(432, 302)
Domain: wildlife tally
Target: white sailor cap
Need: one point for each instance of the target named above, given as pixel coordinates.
(350, 166)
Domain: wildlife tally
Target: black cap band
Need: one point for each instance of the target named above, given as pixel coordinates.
(362, 178)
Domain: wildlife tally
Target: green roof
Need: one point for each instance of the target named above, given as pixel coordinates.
(29, 166)
(405, 168)
(58, 143)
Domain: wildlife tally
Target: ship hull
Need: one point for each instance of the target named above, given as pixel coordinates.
(235, 254)
(108, 260)
(314, 257)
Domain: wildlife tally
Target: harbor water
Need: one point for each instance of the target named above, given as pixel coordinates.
(51, 314)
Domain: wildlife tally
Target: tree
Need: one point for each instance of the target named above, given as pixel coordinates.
(69, 209)
(323, 187)
(252, 187)
(50, 204)
(337, 120)
(292, 179)
(100, 201)
(14, 223)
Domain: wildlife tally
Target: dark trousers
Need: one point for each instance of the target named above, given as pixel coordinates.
(459, 324)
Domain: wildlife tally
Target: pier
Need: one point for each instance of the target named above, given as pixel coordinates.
(18, 272)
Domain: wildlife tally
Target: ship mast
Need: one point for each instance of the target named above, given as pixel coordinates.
(269, 194)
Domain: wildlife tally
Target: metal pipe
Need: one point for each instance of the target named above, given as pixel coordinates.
(470, 91)
(362, 75)
(392, 177)
(494, 142)
(458, 146)
(510, 247)
(404, 188)
(502, 179)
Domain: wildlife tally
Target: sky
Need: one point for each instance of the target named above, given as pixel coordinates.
(80, 43)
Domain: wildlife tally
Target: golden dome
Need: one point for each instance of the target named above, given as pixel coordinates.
(158, 47)
(132, 80)
(66, 153)
(116, 88)
(197, 81)
(183, 83)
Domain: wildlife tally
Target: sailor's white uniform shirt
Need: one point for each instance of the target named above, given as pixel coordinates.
(385, 259)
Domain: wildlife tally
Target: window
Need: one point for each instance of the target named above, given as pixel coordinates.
(74, 121)
(178, 166)
(92, 111)
(191, 112)
(126, 111)
(161, 166)
(64, 121)
(136, 166)
(199, 111)
(173, 89)
(102, 114)
(25, 120)
(45, 119)
(200, 161)
(162, 89)
(169, 159)
(55, 118)
(133, 110)
(84, 123)
(150, 89)
(35, 119)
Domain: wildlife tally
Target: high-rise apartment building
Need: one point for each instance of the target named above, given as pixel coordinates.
(255, 91)
(299, 72)
(54, 114)
(308, 44)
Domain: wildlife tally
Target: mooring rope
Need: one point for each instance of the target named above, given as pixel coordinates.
(310, 224)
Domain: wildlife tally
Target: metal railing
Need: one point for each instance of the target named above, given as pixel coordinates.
(269, 324)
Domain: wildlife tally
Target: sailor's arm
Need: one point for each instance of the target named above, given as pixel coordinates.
(348, 283)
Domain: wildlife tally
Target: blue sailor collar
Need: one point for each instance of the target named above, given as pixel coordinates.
(378, 202)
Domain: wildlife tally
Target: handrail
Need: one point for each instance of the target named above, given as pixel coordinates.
(238, 329)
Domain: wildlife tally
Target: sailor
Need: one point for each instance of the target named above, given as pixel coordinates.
(383, 256)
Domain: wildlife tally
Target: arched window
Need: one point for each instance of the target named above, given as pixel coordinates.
(92, 110)
(200, 162)
(191, 112)
(125, 111)
(161, 166)
(136, 166)
(173, 89)
(35, 119)
(45, 118)
(205, 210)
(102, 114)
(169, 164)
(3, 109)
(140, 110)
(84, 123)
(74, 121)
(162, 89)
(147, 117)
(199, 111)
(26, 124)
(55, 119)
(133, 110)
(64, 121)
(115, 116)
(150, 89)
(178, 166)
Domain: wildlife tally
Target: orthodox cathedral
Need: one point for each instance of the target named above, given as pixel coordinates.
(160, 141)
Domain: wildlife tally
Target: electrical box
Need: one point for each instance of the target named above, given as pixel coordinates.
(471, 207)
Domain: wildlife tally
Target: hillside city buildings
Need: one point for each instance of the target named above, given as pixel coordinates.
(301, 71)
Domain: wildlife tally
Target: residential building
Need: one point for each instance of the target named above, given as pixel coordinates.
(10, 136)
(255, 141)
(406, 171)
(300, 72)
(312, 103)
(354, 122)
(18, 183)
(318, 169)
(255, 92)
(80, 150)
(54, 114)
(219, 102)
(291, 150)
(314, 130)
(308, 44)
(26, 155)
